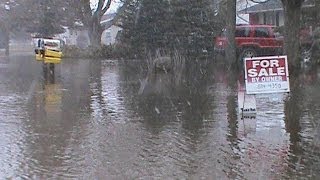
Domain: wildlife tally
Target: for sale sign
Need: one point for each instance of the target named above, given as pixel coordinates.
(266, 75)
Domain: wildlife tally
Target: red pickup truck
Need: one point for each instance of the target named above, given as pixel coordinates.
(252, 40)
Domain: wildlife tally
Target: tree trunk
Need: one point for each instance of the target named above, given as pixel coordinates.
(7, 42)
(231, 56)
(317, 6)
(92, 20)
(5, 36)
(95, 31)
(292, 15)
(231, 27)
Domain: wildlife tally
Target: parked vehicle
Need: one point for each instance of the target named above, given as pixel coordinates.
(48, 50)
(252, 40)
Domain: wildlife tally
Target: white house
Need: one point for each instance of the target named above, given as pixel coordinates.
(241, 17)
(79, 36)
(271, 12)
(109, 35)
(111, 31)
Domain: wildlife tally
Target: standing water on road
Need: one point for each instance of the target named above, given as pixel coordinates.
(104, 119)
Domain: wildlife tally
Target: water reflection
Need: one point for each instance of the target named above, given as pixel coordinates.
(292, 119)
(48, 98)
(44, 148)
(254, 138)
(90, 121)
(175, 122)
(53, 115)
(232, 136)
(301, 109)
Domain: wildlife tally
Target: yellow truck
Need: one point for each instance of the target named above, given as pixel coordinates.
(48, 50)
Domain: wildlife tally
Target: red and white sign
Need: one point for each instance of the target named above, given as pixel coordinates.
(266, 75)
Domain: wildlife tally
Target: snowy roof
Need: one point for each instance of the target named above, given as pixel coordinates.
(271, 5)
(107, 20)
(108, 17)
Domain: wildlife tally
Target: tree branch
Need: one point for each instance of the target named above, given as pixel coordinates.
(260, 2)
(104, 10)
(85, 11)
(100, 5)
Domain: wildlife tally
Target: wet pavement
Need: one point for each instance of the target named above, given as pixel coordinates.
(104, 120)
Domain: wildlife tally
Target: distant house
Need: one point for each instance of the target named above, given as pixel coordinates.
(80, 37)
(243, 18)
(109, 35)
(270, 12)
(111, 31)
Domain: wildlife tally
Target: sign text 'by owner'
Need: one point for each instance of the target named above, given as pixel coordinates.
(266, 74)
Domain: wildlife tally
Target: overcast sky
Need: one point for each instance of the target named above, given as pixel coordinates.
(113, 7)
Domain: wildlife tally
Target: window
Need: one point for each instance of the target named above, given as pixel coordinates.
(243, 32)
(261, 32)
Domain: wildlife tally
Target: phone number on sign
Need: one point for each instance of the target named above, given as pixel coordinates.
(269, 86)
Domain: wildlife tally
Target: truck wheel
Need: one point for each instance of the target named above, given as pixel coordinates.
(248, 52)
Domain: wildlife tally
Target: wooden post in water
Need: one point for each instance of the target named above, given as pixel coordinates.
(51, 68)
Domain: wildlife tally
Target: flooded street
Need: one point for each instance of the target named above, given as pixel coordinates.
(104, 120)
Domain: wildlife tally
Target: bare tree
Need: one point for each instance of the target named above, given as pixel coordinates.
(92, 18)
(4, 33)
(4, 26)
(231, 28)
(292, 16)
(317, 6)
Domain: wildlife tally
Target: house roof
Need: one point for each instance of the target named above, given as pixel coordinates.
(107, 20)
(271, 5)
(108, 17)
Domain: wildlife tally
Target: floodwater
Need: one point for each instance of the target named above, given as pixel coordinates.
(104, 120)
